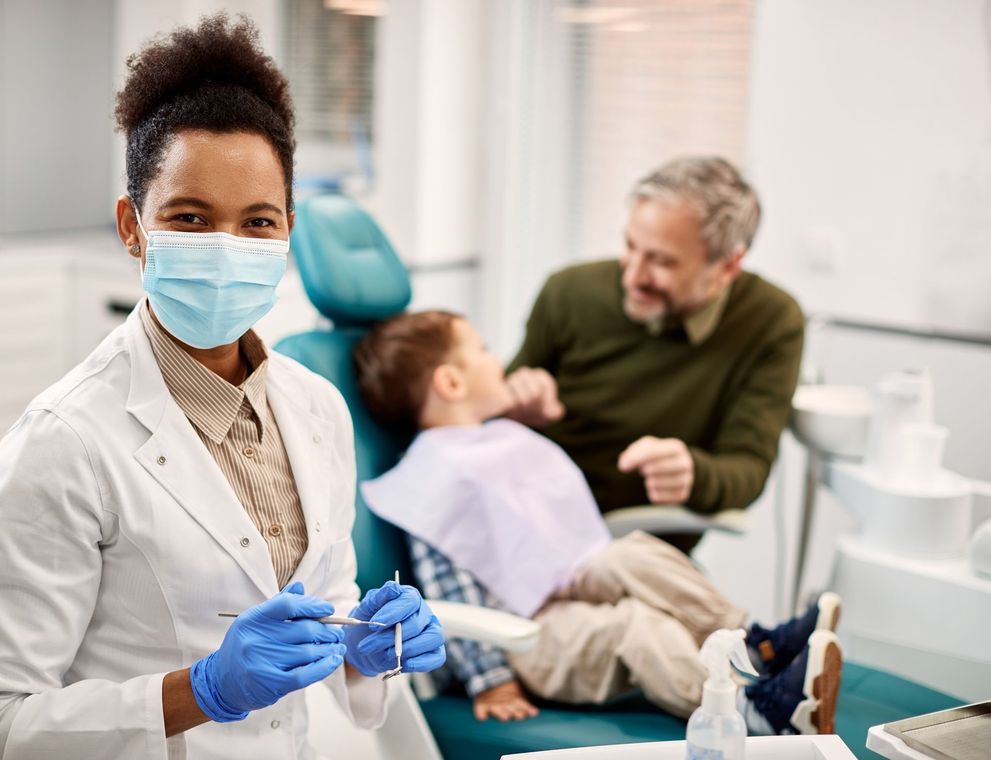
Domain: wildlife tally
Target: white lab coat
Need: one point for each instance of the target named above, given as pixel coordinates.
(121, 540)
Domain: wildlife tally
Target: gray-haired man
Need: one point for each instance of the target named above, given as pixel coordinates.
(667, 375)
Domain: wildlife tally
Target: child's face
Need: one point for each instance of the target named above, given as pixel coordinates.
(483, 373)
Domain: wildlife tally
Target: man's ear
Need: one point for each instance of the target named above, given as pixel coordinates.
(732, 265)
(448, 383)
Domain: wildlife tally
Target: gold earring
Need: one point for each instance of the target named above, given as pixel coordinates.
(135, 250)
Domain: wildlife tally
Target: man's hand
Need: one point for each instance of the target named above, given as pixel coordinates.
(504, 702)
(666, 466)
(535, 401)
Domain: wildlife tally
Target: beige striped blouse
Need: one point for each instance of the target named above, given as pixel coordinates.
(238, 428)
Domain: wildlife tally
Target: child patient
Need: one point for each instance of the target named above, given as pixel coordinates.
(498, 515)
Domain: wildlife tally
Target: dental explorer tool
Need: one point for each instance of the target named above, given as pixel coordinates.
(327, 619)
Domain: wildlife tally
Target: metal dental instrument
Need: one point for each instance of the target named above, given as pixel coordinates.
(327, 619)
(399, 648)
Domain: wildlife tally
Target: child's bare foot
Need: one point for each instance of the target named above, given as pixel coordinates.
(504, 702)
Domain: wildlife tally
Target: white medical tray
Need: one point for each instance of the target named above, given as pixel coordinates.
(829, 747)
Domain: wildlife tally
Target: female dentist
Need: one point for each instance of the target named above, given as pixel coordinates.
(182, 469)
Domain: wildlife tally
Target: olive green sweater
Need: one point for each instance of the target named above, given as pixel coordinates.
(721, 381)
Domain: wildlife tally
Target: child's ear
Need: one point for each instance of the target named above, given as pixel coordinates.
(448, 383)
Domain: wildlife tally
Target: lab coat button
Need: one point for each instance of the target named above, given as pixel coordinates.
(161, 460)
(317, 527)
(245, 542)
(317, 439)
(275, 724)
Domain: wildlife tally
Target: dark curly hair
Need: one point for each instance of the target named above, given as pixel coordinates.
(215, 77)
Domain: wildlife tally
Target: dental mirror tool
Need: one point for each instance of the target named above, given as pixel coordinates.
(399, 648)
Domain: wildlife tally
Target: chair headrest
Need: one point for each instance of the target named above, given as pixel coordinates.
(349, 269)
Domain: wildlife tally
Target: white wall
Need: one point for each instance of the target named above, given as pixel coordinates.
(428, 115)
(869, 143)
(529, 226)
(449, 146)
(55, 114)
(396, 125)
(429, 139)
(137, 21)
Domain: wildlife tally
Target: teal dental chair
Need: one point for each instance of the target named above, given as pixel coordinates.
(354, 278)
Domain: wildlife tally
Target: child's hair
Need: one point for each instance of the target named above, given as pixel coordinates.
(395, 361)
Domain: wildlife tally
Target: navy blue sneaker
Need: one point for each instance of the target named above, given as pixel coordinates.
(801, 699)
(773, 649)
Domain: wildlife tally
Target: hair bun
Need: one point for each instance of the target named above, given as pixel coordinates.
(217, 52)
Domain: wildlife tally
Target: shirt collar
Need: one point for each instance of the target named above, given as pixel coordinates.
(697, 326)
(701, 324)
(209, 401)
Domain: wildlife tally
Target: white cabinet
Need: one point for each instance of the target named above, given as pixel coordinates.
(32, 329)
(54, 297)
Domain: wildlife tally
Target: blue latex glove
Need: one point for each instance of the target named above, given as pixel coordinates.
(373, 651)
(269, 650)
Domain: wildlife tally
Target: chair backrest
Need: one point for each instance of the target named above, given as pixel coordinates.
(353, 276)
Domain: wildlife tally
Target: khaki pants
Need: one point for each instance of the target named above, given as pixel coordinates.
(634, 616)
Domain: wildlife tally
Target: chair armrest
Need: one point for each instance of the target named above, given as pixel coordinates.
(658, 519)
(488, 626)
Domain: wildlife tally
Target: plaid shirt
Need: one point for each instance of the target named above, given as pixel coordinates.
(478, 666)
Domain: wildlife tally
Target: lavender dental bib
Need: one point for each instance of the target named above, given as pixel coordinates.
(499, 500)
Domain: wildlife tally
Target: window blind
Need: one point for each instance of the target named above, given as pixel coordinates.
(329, 61)
(655, 79)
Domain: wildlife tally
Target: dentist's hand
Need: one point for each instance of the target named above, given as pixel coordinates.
(535, 401)
(372, 650)
(666, 465)
(269, 651)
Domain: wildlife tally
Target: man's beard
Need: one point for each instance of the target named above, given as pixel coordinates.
(654, 315)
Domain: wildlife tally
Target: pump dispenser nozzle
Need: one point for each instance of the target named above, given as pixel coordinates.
(716, 728)
(721, 651)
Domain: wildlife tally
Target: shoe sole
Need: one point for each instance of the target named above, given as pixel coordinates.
(829, 605)
(816, 714)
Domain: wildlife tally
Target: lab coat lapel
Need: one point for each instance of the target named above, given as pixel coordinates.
(176, 458)
(309, 446)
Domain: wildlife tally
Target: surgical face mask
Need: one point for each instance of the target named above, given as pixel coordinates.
(209, 288)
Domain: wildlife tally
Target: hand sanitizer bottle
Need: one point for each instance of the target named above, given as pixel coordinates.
(716, 730)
